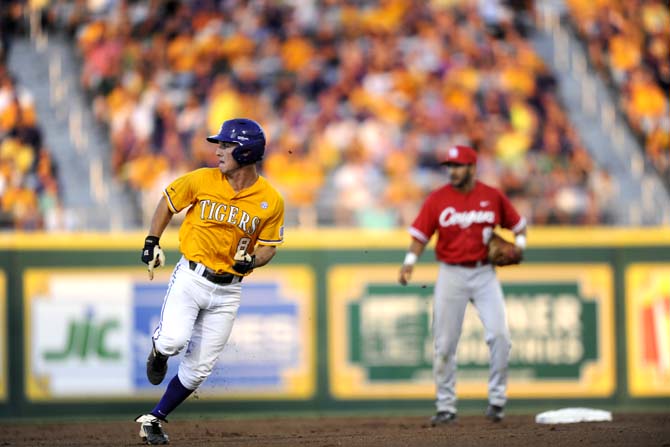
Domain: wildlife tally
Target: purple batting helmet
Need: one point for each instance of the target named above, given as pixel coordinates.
(247, 134)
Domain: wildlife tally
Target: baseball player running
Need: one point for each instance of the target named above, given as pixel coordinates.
(464, 214)
(233, 224)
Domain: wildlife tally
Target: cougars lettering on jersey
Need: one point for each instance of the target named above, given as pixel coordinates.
(464, 221)
(220, 221)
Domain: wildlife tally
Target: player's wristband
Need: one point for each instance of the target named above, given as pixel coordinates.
(520, 241)
(410, 258)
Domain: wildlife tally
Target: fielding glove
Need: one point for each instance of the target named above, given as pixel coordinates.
(244, 262)
(502, 252)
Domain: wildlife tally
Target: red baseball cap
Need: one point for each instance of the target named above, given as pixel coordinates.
(460, 155)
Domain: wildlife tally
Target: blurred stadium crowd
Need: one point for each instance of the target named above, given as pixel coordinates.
(29, 193)
(629, 43)
(358, 98)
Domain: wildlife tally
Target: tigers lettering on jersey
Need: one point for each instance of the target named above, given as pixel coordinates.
(220, 212)
(221, 221)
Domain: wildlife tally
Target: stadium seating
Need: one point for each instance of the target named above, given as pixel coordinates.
(359, 101)
(29, 192)
(629, 43)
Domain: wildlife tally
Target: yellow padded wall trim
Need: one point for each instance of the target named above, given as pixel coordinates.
(343, 238)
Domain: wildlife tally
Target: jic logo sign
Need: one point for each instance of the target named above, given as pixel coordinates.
(78, 335)
(87, 337)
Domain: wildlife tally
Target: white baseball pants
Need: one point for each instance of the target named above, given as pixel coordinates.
(200, 313)
(454, 288)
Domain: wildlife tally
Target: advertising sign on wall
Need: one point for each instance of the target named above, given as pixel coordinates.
(648, 329)
(560, 317)
(4, 340)
(87, 335)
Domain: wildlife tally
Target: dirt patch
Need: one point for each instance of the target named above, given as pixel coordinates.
(516, 430)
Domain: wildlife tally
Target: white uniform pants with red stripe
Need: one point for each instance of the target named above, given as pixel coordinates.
(455, 287)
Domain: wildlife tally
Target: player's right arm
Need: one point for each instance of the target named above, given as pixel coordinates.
(421, 231)
(152, 254)
(161, 218)
(413, 253)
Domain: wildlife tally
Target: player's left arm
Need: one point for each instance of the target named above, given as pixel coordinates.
(245, 262)
(512, 220)
(270, 236)
(264, 254)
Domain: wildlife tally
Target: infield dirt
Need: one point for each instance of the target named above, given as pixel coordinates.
(633, 429)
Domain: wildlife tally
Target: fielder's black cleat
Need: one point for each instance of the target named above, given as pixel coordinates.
(151, 430)
(443, 418)
(495, 413)
(156, 366)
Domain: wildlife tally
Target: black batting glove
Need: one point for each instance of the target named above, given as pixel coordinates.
(148, 251)
(245, 265)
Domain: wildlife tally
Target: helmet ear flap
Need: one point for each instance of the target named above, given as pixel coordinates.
(245, 155)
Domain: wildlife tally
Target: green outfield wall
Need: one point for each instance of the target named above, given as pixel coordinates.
(326, 326)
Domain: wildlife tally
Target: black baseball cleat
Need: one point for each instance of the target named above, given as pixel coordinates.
(151, 430)
(156, 366)
(495, 413)
(443, 418)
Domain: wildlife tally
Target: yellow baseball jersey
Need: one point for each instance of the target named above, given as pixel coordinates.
(221, 221)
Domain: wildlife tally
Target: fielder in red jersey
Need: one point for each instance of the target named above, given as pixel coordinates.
(464, 214)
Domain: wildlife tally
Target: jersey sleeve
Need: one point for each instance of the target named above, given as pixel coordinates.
(272, 232)
(509, 217)
(424, 225)
(181, 192)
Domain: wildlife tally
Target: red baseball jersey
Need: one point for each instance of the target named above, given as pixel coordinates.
(464, 221)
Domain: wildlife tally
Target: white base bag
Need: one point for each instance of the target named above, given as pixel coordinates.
(572, 415)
